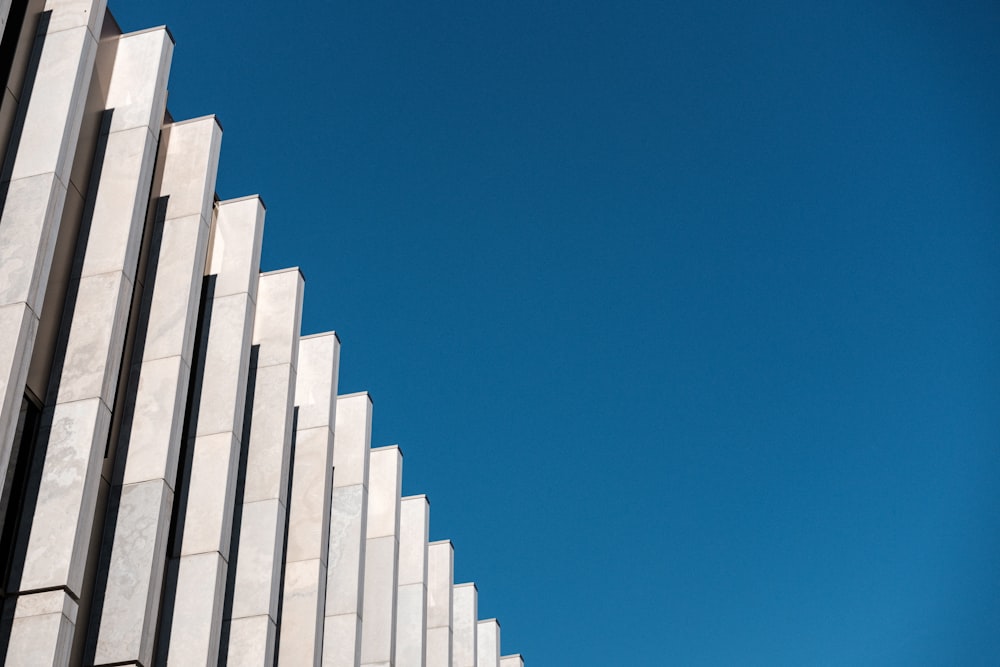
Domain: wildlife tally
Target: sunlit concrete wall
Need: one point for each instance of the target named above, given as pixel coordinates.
(180, 483)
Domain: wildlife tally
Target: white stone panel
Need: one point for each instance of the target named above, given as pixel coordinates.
(342, 641)
(411, 603)
(259, 565)
(42, 629)
(251, 639)
(346, 554)
(64, 510)
(465, 614)
(440, 575)
(514, 660)
(143, 517)
(378, 627)
(195, 633)
(411, 628)
(488, 643)
(301, 641)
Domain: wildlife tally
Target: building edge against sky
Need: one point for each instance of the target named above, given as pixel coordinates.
(181, 483)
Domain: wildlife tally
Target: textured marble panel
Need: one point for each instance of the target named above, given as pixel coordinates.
(72, 13)
(465, 614)
(385, 478)
(488, 643)
(156, 419)
(189, 155)
(440, 574)
(31, 210)
(301, 615)
(96, 336)
(119, 203)
(176, 291)
(439, 647)
(268, 455)
(209, 518)
(514, 660)
(378, 627)
(194, 636)
(259, 564)
(251, 642)
(279, 317)
(342, 640)
(137, 90)
(309, 513)
(57, 545)
(316, 380)
(414, 527)
(133, 591)
(51, 121)
(352, 439)
(411, 626)
(226, 362)
(235, 245)
(347, 550)
(42, 630)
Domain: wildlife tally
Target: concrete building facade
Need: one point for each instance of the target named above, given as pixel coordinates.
(180, 483)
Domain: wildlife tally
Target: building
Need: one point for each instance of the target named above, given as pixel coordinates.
(181, 485)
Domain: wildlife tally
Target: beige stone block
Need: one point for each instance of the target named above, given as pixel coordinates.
(258, 566)
(251, 642)
(157, 419)
(197, 619)
(268, 456)
(235, 246)
(309, 507)
(302, 615)
(352, 439)
(96, 336)
(64, 512)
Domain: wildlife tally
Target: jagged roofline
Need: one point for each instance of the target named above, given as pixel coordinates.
(181, 481)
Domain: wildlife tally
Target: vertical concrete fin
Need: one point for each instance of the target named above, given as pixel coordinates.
(440, 575)
(488, 643)
(465, 612)
(411, 591)
(33, 185)
(129, 588)
(250, 622)
(378, 629)
(300, 639)
(60, 550)
(214, 431)
(348, 520)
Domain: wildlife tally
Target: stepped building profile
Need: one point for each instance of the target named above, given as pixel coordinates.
(181, 483)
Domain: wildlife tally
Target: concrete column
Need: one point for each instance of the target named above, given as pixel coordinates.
(33, 185)
(300, 641)
(197, 580)
(130, 583)
(348, 518)
(465, 612)
(378, 627)
(488, 643)
(440, 574)
(255, 566)
(514, 660)
(411, 589)
(85, 377)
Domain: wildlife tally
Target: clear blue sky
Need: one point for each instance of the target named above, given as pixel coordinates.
(685, 315)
